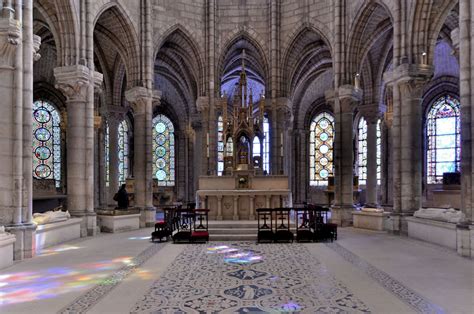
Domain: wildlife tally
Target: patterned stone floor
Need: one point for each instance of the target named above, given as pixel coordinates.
(248, 278)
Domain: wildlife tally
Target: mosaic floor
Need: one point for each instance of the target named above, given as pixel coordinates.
(248, 278)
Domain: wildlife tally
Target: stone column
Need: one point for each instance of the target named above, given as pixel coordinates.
(371, 114)
(202, 105)
(113, 124)
(408, 81)
(235, 215)
(344, 100)
(74, 82)
(252, 207)
(466, 61)
(219, 207)
(141, 100)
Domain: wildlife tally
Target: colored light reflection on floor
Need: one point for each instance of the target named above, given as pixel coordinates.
(30, 286)
(290, 307)
(140, 238)
(234, 255)
(57, 250)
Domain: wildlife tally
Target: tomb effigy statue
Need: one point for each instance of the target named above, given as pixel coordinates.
(441, 214)
(121, 197)
(50, 216)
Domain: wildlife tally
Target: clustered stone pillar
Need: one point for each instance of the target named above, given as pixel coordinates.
(18, 48)
(408, 81)
(113, 124)
(74, 82)
(142, 100)
(465, 231)
(343, 100)
(371, 191)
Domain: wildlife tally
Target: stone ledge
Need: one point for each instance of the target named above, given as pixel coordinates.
(433, 231)
(119, 223)
(57, 232)
(369, 220)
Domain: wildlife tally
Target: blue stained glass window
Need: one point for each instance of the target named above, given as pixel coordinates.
(220, 145)
(266, 145)
(321, 141)
(362, 151)
(163, 151)
(443, 130)
(256, 146)
(123, 151)
(107, 154)
(46, 142)
(379, 152)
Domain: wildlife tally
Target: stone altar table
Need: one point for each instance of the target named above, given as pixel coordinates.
(236, 197)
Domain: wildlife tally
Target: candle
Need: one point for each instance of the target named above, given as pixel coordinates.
(207, 145)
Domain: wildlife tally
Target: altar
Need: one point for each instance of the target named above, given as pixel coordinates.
(226, 199)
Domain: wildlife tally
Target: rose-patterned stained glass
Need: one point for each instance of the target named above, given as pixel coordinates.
(321, 140)
(379, 152)
(163, 151)
(220, 145)
(107, 154)
(443, 130)
(362, 150)
(46, 142)
(123, 151)
(266, 145)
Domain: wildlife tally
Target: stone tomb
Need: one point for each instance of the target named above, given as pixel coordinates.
(236, 197)
(6, 248)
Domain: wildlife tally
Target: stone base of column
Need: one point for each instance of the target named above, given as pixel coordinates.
(342, 215)
(235, 217)
(91, 223)
(397, 223)
(219, 218)
(24, 246)
(147, 217)
(465, 239)
(252, 217)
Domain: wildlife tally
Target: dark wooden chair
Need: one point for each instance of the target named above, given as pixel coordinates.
(164, 228)
(304, 218)
(282, 225)
(200, 231)
(265, 225)
(184, 225)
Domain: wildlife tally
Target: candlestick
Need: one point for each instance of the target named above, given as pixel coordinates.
(207, 145)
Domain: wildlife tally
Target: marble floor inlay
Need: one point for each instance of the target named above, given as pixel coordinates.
(407, 295)
(245, 277)
(95, 294)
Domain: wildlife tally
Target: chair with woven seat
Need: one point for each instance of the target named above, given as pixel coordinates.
(282, 225)
(184, 224)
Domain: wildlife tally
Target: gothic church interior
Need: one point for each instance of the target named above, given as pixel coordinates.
(236, 156)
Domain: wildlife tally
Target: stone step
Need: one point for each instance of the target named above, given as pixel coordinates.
(213, 230)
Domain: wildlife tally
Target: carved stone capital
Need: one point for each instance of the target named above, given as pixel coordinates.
(372, 112)
(202, 103)
(455, 41)
(343, 99)
(196, 121)
(139, 96)
(116, 114)
(10, 38)
(421, 73)
(73, 81)
(36, 47)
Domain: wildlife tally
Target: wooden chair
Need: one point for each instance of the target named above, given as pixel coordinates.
(304, 218)
(265, 225)
(184, 225)
(282, 225)
(200, 231)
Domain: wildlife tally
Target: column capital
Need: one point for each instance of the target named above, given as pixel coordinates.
(116, 114)
(372, 112)
(74, 81)
(202, 103)
(10, 39)
(138, 96)
(421, 73)
(348, 97)
(36, 47)
(456, 42)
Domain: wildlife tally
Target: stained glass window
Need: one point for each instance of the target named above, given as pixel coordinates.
(107, 154)
(321, 140)
(46, 142)
(220, 145)
(229, 150)
(362, 150)
(266, 145)
(256, 146)
(443, 129)
(163, 151)
(123, 151)
(379, 152)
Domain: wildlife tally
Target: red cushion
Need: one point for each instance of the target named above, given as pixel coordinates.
(199, 234)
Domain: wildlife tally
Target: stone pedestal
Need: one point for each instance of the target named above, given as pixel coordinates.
(437, 232)
(57, 232)
(24, 246)
(369, 220)
(465, 240)
(6, 249)
(119, 223)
